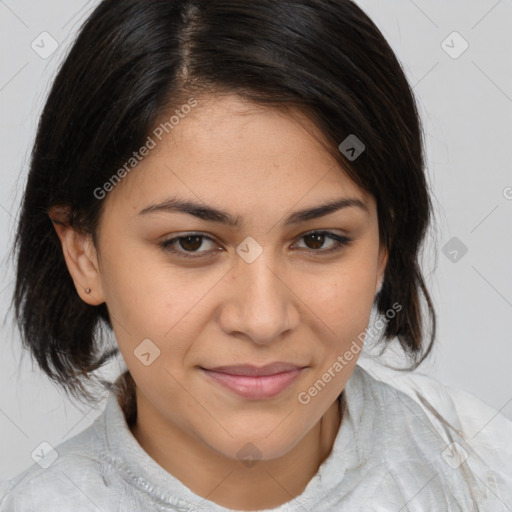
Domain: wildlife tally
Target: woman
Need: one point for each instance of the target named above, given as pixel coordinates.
(230, 187)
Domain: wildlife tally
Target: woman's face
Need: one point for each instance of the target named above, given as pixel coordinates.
(264, 290)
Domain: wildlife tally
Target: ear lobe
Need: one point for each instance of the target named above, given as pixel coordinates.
(81, 257)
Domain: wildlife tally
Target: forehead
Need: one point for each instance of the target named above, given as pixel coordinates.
(232, 151)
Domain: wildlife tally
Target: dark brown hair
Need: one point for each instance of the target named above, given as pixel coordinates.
(135, 60)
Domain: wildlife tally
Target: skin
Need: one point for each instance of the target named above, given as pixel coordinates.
(290, 304)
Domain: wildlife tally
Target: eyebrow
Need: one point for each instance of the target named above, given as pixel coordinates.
(211, 214)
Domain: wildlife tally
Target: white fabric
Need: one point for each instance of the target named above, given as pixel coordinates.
(398, 449)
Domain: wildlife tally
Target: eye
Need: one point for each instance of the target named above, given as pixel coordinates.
(316, 239)
(186, 245)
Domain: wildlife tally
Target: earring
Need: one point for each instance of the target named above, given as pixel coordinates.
(87, 290)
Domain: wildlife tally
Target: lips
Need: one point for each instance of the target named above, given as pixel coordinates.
(257, 371)
(253, 382)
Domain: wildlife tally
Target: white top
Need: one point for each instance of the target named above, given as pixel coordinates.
(406, 443)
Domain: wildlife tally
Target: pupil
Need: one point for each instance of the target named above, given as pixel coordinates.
(319, 240)
(184, 241)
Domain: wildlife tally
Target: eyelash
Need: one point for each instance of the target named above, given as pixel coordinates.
(169, 245)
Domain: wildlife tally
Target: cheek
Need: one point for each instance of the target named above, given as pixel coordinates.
(136, 283)
(341, 303)
(342, 295)
(148, 298)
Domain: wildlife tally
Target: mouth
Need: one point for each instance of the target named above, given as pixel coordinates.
(255, 383)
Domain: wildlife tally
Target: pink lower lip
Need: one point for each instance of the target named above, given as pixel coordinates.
(255, 387)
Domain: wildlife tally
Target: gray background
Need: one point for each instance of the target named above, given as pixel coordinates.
(466, 105)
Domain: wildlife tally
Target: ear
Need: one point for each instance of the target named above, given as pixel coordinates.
(81, 257)
(381, 268)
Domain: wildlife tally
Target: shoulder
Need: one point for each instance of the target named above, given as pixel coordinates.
(449, 429)
(461, 409)
(68, 473)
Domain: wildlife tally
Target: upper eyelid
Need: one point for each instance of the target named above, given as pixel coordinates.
(213, 238)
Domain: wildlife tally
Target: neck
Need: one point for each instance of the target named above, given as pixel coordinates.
(227, 482)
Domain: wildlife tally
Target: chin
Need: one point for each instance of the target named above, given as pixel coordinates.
(249, 448)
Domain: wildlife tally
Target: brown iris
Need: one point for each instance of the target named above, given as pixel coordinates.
(318, 239)
(194, 245)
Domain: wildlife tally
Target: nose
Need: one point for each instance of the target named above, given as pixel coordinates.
(260, 305)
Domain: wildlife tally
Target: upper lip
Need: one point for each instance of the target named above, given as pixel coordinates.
(257, 371)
